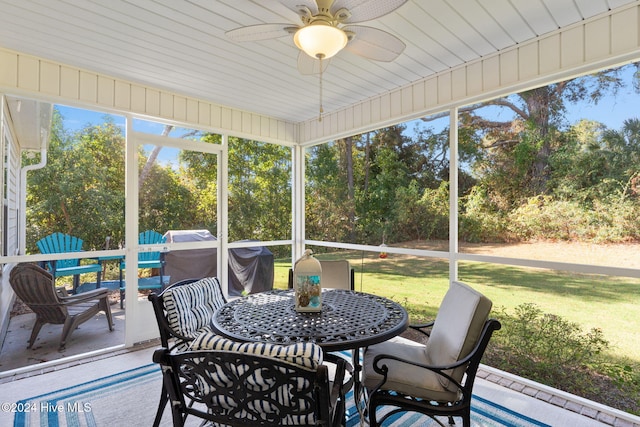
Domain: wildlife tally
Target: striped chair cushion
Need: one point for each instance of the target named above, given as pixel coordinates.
(307, 355)
(190, 307)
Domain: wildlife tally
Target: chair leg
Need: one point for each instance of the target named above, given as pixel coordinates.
(164, 399)
(69, 326)
(34, 332)
(76, 283)
(373, 422)
(104, 306)
(121, 290)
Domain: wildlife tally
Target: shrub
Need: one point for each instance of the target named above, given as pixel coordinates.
(553, 351)
(480, 221)
(545, 347)
(545, 217)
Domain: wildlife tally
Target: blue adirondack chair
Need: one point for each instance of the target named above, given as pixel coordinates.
(57, 243)
(146, 260)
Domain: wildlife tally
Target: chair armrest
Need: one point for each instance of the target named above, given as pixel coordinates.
(490, 326)
(383, 369)
(85, 296)
(62, 291)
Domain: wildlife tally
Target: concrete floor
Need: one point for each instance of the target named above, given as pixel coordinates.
(558, 408)
(90, 336)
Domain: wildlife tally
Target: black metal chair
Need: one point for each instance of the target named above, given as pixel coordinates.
(435, 379)
(238, 388)
(177, 323)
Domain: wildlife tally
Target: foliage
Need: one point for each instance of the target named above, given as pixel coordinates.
(596, 163)
(545, 217)
(81, 189)
(259, 191)
(480, 220)
(533, 337)
(420, 217)
(548, 349)
(328, 206)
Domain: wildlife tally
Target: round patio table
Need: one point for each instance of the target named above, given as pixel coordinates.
(348, 320)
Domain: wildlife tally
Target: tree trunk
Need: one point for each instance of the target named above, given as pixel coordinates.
(540, 104)
(348, 150)
(152, 157)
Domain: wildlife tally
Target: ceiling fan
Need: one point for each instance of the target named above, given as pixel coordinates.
(327, 28)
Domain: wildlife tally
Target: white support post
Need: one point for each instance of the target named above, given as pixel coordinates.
(222, 224)
(298, 205)
(453, 194)
(132, 309)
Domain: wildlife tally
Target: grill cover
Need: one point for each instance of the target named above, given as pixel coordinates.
(250, 269)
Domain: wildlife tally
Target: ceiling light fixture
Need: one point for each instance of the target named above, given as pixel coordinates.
(320, 39)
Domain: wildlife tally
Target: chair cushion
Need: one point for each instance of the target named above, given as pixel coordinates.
(455, 332)
(190, 307)
(336, 274)
(308, 355)
(402, 377)
(457, 328)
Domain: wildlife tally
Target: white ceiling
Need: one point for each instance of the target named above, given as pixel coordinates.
(180, 46)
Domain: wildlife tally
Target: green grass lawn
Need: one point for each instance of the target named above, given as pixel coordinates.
(609, 303)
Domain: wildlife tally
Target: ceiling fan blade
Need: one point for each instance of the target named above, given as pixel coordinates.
(308, 65)
(366, 10)
(373, 43)
(260, 32)
(298, 6)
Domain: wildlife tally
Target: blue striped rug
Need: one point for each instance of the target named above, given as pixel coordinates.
(131, 398)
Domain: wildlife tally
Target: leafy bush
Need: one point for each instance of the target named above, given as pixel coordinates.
(553, 351)
(420, 216)
(545, 217)
(480, 221)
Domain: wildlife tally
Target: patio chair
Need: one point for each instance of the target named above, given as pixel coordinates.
(183, 312)
(146, 260)
(435, 379)
(250, 384)
(36, 288)
(335, 274)
(57, 243)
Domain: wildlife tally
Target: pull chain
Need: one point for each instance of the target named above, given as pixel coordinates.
(320, 56)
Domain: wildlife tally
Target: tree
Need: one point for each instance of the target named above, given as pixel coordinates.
(538, 116)
(259, 190)
(259, 179)
(83, 179)
(81, 189)
(597, 163)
